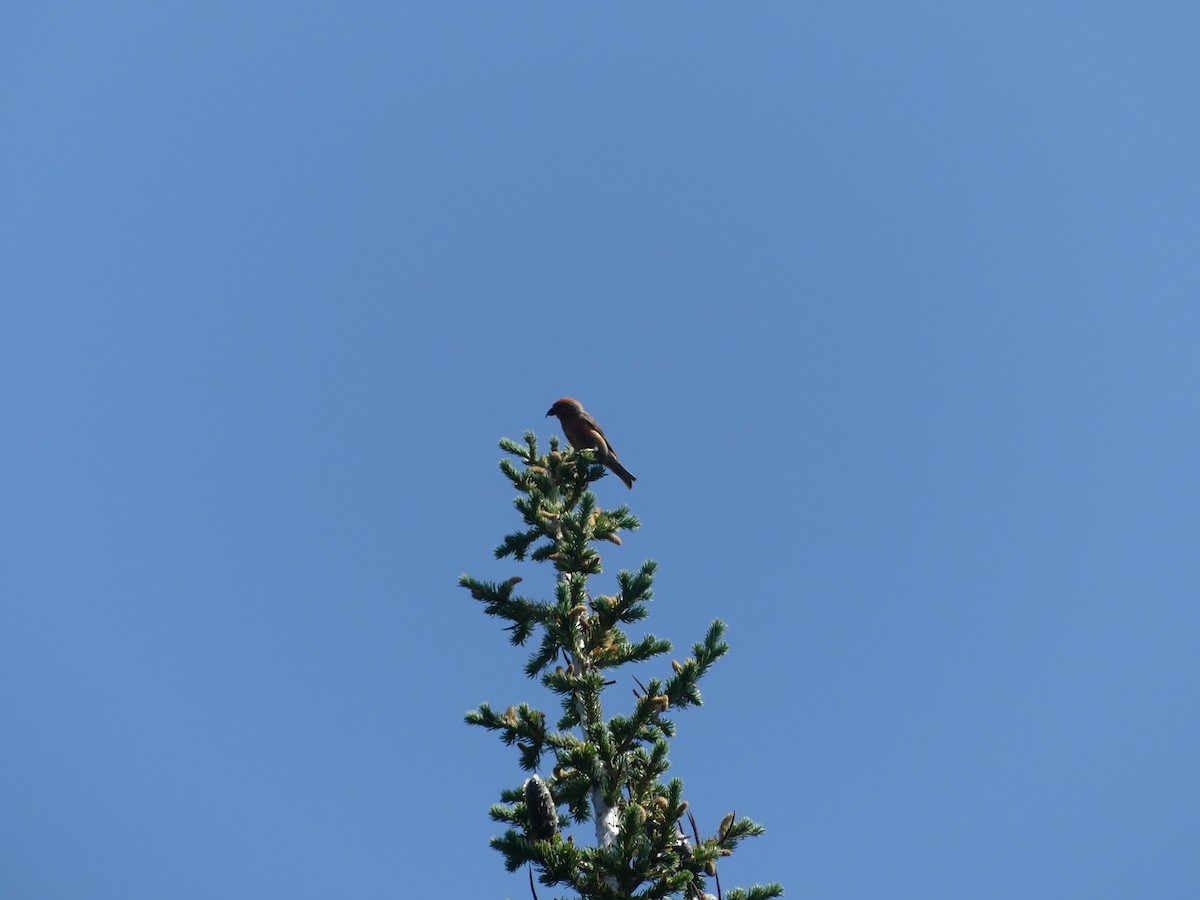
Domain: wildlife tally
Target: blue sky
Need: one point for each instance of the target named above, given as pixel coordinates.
(892, 308)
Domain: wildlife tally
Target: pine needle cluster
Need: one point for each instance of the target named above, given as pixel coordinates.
(611, 771)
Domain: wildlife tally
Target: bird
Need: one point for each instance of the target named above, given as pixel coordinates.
(585, 433)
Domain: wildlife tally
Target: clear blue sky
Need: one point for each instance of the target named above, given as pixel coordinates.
(893, 309)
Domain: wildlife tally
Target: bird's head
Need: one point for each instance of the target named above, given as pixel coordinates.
(565, 407)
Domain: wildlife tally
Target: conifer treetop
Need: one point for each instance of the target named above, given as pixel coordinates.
(607, 770)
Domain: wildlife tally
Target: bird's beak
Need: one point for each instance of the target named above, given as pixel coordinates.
(549, 412)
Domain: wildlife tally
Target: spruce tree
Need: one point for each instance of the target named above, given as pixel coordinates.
(611, 771)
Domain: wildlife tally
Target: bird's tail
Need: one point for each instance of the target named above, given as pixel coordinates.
(621, 472)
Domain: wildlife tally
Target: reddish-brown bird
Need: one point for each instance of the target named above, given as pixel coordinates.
(585, 434)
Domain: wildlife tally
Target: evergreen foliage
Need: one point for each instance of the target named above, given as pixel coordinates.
(610, 771)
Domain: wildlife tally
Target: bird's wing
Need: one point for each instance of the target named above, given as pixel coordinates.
(595, 426)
